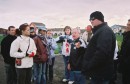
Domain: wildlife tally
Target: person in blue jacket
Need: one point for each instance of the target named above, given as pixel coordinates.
(52, 45)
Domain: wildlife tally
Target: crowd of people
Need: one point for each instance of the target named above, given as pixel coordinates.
(29, 56)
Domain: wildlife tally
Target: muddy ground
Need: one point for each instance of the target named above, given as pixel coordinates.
(58, 71)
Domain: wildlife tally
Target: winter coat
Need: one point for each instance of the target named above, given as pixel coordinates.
(62, 39)
(41, 53)
(98, 58)
(85, 37)
(5, 49)
(52, 46)
(76, 55)
(124, 54)
(25, 45)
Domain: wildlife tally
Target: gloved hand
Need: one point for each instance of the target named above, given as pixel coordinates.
(30, 54)
(62, 38)
(50, 45)
(69, 40)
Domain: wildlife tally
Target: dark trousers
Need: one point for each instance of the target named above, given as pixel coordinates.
(24, 75)
(126, 77)
(99, 81)
(50, 71)
(112, 81)
(11, 77)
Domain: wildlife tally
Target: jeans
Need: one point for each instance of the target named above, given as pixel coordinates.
(11, 77)
(68, 74)
(50, 67)
(71, 78)
(99, 81)
(79, 78)
(40, 73)
(24, 75)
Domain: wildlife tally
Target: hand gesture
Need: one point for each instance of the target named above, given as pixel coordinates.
(68, 67)
(77, 45)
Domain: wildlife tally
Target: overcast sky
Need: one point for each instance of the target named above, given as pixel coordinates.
(59, 13)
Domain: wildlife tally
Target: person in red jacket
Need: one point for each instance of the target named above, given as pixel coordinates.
(41, 57)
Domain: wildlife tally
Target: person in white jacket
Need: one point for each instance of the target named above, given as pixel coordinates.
(23, 49)
(87, 35)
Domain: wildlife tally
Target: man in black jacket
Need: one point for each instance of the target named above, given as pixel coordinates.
(124, 56)
(9, 61)
(98, 58)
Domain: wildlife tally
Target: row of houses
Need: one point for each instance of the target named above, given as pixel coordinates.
(3, 31)
(118, 28)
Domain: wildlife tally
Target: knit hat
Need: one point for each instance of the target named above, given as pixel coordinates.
(97, 15)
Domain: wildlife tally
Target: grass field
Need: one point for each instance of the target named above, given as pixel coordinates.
(1, 38)
(58, 50)
(119, 39)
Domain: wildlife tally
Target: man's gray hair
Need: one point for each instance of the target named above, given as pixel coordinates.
(77, 29)
(128, 19)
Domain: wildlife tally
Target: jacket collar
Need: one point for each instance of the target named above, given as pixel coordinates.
(41, 36)
(76, 40)
(98, 27)
(11, 35)
(126, 33)
(24, 37)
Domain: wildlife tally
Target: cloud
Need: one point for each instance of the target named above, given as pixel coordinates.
(59, 13)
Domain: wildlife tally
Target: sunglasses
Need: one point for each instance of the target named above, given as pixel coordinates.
(91, 19)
